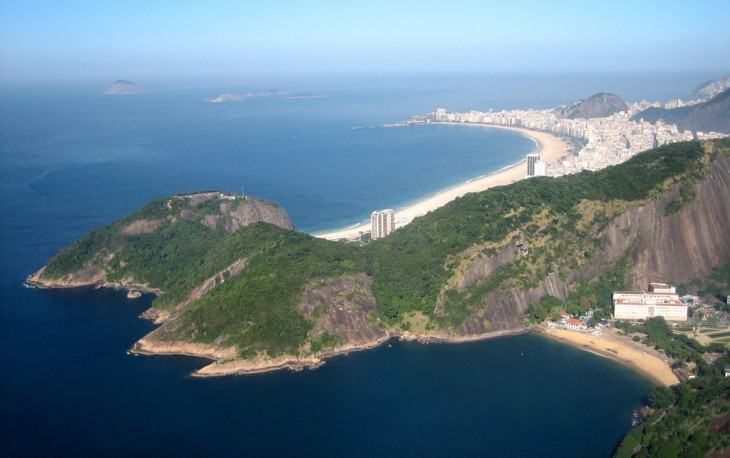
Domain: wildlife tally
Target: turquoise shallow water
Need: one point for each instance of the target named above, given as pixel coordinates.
(73, 160)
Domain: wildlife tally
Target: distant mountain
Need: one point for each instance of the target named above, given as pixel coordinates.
(596, 106)
(711, 88)
(122, 87)
(710, 116)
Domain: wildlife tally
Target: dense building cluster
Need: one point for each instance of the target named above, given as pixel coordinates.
(606, 141)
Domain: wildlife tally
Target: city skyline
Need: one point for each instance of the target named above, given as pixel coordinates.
(72, 40)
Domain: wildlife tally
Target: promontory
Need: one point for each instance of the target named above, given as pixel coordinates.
(235, 282)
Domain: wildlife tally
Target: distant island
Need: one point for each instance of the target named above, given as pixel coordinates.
(123, 87)
(232, 98)
(304, 95)
(229, 98)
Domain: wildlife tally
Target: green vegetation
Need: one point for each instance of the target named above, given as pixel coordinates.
(325, 341)
(715, 289)
(257, 310)
(588, 294)
(681, 348)
(564, 216)
(689, 419)
(413, 271)
(542, 227)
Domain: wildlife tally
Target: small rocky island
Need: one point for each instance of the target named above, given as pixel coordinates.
(232, 98)
(123, 87)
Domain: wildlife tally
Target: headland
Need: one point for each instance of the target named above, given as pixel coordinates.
(550, 147)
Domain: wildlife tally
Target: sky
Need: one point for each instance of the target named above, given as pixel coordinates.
(132, 39)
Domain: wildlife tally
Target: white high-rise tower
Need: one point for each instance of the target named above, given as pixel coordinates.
(382, 223)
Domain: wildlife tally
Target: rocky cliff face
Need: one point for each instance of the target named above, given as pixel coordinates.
(595, 106)
(251, 211)
(674, 249)
(682, 246)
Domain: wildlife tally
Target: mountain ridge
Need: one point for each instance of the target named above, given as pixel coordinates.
(712, 115)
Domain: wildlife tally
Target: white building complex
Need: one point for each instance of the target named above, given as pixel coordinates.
(382, 223)
(660, 300)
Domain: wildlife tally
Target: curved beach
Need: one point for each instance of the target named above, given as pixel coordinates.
(550, 147)
(610, 346)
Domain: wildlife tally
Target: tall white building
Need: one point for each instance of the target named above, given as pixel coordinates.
(541, 168)
(532, 159)
(382, 223)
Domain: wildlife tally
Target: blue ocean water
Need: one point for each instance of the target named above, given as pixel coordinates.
(72, 160)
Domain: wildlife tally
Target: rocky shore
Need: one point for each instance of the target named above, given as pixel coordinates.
(227, 362)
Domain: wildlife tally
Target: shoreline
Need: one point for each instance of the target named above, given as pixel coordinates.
(225, 363)
(550, 148)
(609, 346)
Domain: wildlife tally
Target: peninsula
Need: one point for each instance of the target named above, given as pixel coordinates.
(236, 283)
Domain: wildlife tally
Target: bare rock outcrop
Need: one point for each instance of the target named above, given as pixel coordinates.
(675, 249)
(253, 210)
(344, 307)
(599, 105)
(683, 246)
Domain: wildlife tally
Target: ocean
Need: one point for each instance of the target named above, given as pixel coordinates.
(73, 160)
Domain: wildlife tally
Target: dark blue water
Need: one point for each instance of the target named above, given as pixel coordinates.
(73, 160)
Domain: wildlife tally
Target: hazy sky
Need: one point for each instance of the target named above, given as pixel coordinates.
(80, 39)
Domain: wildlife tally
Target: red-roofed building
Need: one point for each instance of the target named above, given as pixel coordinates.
(575, 324)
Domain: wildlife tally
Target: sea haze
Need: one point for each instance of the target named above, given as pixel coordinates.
(73, 160)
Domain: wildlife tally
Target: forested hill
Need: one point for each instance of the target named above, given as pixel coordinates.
(267, 293)
(710, 116)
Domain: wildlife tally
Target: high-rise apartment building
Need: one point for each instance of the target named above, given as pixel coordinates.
(540, 169)
(532, 158)
(382, 223)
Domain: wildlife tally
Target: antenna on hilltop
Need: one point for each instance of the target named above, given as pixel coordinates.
(242, 192)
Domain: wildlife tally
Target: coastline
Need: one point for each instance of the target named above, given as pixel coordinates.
(550, 147)
(225, 361)
(610, 346)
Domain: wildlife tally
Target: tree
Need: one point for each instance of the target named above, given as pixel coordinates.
(661, 397)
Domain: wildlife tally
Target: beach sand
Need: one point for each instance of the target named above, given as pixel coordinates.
(612, 347)
(551, 149)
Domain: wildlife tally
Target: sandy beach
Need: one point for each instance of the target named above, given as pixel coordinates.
(550, 147)
(612, 347)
